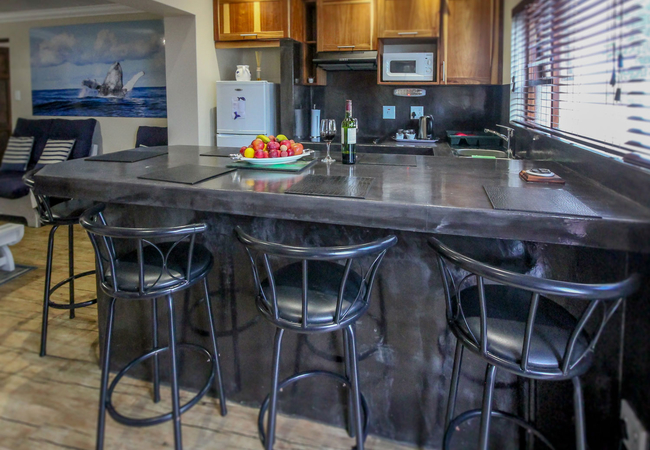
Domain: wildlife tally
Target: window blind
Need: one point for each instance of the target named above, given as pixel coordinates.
(580, 71)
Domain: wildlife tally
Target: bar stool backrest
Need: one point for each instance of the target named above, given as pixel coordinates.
(606, 297)
(103, 238)
(42, 201)
(260, 253)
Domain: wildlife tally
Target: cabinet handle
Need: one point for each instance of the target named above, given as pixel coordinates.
(346, 46)
(407, 33)
(444, 71)
(247, 35)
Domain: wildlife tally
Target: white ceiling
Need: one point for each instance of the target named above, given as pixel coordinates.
(13, 6)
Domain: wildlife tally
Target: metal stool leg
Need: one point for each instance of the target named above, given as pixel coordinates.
(106, 369)
(578, 405)
(176, 408)
(71, 267)
(213, 337)
(270, 427)
(46, 295)
(156, 367)
(354, 381)
(486, 413)
(346, 353)
(453, 387)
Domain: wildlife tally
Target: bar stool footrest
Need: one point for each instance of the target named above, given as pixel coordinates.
(467, 415)
(150, 421)
(301, 376)
(54, 305)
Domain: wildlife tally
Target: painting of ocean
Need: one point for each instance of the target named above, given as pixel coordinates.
(112, 69)
(139, 102)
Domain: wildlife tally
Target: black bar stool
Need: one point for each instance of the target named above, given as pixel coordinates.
(314, 295)
(512, 323)
(165, 261)
(65, 213)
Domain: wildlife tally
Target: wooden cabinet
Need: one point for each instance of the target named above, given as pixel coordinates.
(346, 25)
(408, 18)
(471, 42)
(238, 20)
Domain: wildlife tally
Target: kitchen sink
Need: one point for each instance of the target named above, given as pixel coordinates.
(479, 153)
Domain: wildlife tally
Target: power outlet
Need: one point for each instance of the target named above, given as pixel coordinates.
(636, 436)
(416, 112)
(389, 112)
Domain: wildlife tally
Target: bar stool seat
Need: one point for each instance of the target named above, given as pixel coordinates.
(323, 280)
(507, 313)
(128, 272)
(69, 211)
(165, 261)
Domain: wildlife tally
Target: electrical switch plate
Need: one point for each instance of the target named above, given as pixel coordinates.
(417, 112)
(636, 437)
(389, 112)
(17, 95)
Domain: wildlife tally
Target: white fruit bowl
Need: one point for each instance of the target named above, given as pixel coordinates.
(271, 161)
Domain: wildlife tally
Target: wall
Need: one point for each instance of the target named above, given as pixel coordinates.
(117, 133)
(460, 108)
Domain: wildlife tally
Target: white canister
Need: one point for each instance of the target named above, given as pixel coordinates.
(242, 73)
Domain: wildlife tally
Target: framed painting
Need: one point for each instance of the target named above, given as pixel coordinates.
(114, 69)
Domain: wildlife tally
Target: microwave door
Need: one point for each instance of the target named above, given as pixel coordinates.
(401, 70)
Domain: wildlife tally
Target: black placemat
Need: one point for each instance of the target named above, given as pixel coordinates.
(538, 200)
(187, 174)
(380, 159)
(128, 156)
(355, 187)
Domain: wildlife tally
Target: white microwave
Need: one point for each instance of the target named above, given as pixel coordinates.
(407, 67)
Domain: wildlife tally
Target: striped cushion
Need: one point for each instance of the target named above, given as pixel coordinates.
(55, 151)
(16, 157)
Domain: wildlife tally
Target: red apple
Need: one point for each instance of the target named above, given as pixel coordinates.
(284, 154)
(272, 138)
(259, 154)
(242, 150)
(286, 142)
(292, 141)
(290, 152)
(266, 155)
(273, 145)
(258, 144)
(274, 154)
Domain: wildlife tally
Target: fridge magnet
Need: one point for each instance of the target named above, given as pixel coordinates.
(114, 69)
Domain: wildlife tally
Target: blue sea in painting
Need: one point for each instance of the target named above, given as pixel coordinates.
(139, 102)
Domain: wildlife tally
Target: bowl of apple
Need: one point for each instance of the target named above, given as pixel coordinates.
(268, 150)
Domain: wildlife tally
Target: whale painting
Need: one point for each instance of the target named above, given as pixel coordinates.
(112, 85)
(80, 70)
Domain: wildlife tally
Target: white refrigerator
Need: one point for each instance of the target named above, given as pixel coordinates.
(245, 109)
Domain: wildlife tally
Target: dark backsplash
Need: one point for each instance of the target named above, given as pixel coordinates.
(460, 108)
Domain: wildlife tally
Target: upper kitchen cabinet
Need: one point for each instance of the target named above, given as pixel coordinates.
(471, 50)
(239, 20)
(346, 25)
(408, 18)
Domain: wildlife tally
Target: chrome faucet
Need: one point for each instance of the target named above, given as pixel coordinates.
(506, 137)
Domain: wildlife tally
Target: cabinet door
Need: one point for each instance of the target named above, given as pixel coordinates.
(346, 25)
(471, 42)
(251, 19)
(408, 18)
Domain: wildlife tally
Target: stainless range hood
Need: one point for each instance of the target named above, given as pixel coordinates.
(346, 60)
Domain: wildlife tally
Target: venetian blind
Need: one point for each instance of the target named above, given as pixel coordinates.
(580, 71)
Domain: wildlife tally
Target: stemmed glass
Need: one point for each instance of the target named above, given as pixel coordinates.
(327, 133)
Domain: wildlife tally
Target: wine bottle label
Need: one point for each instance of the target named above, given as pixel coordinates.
(350, 136)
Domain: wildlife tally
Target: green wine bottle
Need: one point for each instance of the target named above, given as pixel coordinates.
(349, 136)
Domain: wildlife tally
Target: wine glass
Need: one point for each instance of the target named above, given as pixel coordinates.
(327, 133)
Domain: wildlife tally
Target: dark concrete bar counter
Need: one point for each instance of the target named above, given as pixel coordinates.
(405, 347)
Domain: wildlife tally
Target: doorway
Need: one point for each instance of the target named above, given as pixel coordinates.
(5, 98)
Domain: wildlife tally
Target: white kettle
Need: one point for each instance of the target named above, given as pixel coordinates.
(242, 73)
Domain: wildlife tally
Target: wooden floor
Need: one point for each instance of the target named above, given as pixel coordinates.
(51, 402)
